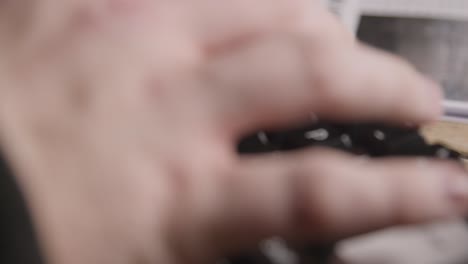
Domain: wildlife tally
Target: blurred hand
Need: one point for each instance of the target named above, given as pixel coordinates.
(121, 118)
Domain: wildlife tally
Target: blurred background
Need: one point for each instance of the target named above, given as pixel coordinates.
(431, 34)
(438, 47)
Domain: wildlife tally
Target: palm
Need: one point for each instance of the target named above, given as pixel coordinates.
(129, 112)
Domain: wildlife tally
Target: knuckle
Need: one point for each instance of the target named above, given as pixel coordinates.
(314, 182)
(325, 84)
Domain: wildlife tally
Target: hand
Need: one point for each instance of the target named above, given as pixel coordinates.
(121, 117)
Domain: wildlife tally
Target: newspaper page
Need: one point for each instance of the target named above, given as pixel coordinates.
(431, 34)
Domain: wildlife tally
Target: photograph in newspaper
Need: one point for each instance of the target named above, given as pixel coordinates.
(438, 48)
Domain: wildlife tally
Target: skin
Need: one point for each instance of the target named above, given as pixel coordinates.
(120, 118)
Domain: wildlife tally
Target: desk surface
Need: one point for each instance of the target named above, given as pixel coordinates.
(454, 135)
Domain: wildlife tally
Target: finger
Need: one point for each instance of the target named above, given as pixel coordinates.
(234, 21)
(280, 79)
(324, 195)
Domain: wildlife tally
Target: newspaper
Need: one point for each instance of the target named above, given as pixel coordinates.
(431, 34)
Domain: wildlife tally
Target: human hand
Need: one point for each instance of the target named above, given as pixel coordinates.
(121, 117)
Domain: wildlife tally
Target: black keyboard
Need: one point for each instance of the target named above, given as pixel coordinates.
(373, 140)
